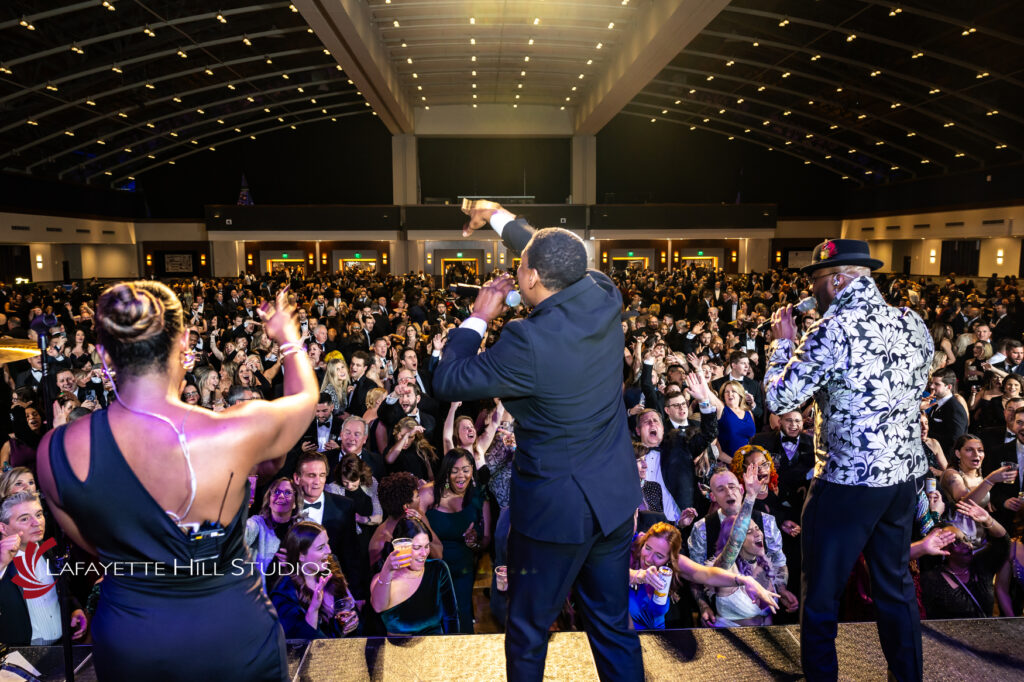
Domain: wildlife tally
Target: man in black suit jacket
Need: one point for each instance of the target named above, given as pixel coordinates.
(405, 402)
(792, 450)
(575, 485)
(353, 442)
(337, 514)
(22, 521)
(948, 419)
(995, 437)
(357, 366)
(408, 359)
(324, 433)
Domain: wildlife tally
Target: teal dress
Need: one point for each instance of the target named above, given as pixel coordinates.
(461, 559)
(431, 610)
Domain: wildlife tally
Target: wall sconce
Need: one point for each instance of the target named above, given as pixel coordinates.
(430, 257)
(662, 256)
(931, 257)
(202, 259)
(39, 261)
(312, 258)
(384, 258)
(778, 256)
(323, 257)
(999, 257)
(675, 257)
(488, 256)
(248, 259)
(149, 260)
(604, 257)
(501, 257)
(733, 256)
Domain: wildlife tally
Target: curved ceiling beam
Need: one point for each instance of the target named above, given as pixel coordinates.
(203, 105)
(959, 94)
(802, 142)
(711, 129)
(151, 56)
(141, 29)
(107, 139)
(831, 83)
(48, 14)
(239, 138)
(862, 35)
(808, 96)
(185, 131)
(197, 139)
(80, 102)
(981, 30)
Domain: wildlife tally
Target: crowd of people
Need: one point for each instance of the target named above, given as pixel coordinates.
(380, 517)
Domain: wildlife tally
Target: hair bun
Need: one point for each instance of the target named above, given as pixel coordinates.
(130, 313)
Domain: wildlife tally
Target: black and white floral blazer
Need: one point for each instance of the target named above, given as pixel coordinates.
(866, 365)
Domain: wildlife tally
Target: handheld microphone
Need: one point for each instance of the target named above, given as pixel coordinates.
(805, 305)
(512, 298)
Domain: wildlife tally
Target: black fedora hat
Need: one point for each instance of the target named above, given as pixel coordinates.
(835, 252)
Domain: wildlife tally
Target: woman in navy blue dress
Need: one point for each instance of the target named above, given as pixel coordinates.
(159, 489)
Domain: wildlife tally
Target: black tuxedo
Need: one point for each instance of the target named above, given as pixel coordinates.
(677, 454)
(947, 422)
(357, 402)
(15, 624)
(391, 414)
(339, 520)
(575, 485)
(993, 438)
(311, 432)
(1004, 491)
(793, 481)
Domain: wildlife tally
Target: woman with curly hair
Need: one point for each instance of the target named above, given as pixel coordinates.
(766, 474)
(399, 499)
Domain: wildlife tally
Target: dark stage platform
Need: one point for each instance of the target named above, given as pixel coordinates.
(989, 649)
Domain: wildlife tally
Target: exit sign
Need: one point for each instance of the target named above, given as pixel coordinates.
(700, 253)
(630, 254)
(284, 255)
(358, 255)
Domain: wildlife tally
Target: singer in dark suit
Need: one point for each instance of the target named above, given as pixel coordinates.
(575, 484)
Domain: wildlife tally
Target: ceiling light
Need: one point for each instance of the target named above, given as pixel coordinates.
(150, 86)
(692, 91)
(245, 39)
(562, 108)
(786, 113)
(664, 111)
(1000, 146)
(894, 167)
(765, 122)
(414, 75)
(862, 117)
(473, 58)
(473, 86)
(472, 41)
(851, 151)
(707, 120)
(787, 74)
(567, 99)
(958, 155)
(408, 60)
(815, 57)
(850, 38)
(173, 134)
(520, 85)
(983, 74)
(807, 163)
(200, 111)
(32, 123)
(581, 76)
(653, 120)
(4, 69)
(53, 88)
(611, 25)
(285, 76)
(693, 127)
(948, 124)
(181, 53)
(474, 95)
(761, 89)
(992, 113)
(77, 50)
(472, 73)
(783, 23)
(109, 5)
(808, 136)
(710, 78)
(27, 25)
(589, 62)
(514, 106)
(525, 59)
(911, 134)
(208, 72)
(875, 73)
(395, 23)
(678, 101)
(828, 156)
(250, 99)
(177, 99)
(327, 52)
(122, 114)
(266, 110)
(756, 44)
(879, 143)
(150, 125)
(69, 133)
(90, 102)
(128, 149)
(530, 41)
(968, 31)
(269, 60)
(280, 120)
(150, 156)
(839, 89)
(917, 55)
(221, 19)
(721, 111)
(925, 161)
(472, 20)
(894, 11)
(293, 8)
(833, 126)
(405, 44)
(934, 91)
(171, 162)
(419, 87)
(599, 46)
(895, 105)
(573, 88)
(536, 20)
(523, 72)
(423, 98)
(730, 62)
(517, 96)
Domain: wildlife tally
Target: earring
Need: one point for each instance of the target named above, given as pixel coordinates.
(447, 486)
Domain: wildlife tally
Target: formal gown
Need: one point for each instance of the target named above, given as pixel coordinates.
(196, 611)
(733, 432)
(461, 559)
(431, 610)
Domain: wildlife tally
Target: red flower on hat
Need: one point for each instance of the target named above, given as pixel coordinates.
(828, 249)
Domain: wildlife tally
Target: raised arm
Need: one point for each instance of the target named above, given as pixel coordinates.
(448, 431)
(727, 557)
(484, 440)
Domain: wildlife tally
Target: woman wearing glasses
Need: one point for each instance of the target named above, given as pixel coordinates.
(265, 532)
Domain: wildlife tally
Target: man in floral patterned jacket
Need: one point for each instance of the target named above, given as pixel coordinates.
(866, 366)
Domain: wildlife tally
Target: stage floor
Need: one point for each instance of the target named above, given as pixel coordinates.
(989, 649)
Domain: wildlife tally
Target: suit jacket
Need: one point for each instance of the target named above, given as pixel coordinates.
(559, 373)
(993, 438)
(391, 414)
(357, 403)
(947, 422)
(15, 625)
(677, 455)
(339, 521)
(335, 432)
(1003, 491)
(793, 482)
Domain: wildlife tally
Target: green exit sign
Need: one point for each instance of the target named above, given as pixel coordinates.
(359, 255)
(458, 255)
(700, 253)
(284, 255)
(630, 254)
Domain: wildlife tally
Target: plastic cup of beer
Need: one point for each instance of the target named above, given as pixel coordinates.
(501, 578)
(404, 548)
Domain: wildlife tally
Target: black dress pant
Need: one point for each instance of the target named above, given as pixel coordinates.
(540, 576)
(839, 522)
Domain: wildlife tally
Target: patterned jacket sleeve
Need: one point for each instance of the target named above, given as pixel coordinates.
(697, 542)
(773, 547)
(794, 377)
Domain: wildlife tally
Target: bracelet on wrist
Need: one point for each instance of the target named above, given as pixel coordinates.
(738, 581)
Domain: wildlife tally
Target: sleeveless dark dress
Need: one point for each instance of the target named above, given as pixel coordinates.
(194, 612)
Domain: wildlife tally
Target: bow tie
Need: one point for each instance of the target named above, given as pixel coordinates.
(791, 439)
(311, 505)
(1009, 436)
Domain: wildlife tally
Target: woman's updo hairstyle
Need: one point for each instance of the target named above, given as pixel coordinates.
(136, 323)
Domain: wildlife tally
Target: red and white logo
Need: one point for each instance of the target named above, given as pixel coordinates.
(27, 580)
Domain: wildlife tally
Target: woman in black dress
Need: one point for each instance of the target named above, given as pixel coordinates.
(162, 484)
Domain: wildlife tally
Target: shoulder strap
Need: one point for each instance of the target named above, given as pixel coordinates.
(968, 591)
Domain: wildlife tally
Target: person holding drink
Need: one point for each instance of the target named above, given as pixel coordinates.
(412, 593)
(314, 601)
